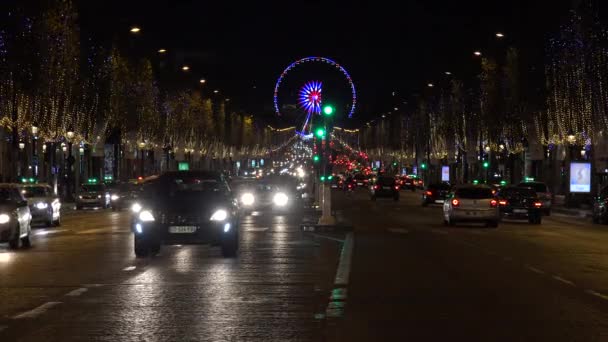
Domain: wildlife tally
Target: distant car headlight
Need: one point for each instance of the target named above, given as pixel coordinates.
(136, 207)
(42, 205)
(280, 199)
(4, 218)
(146, 216)
(98, 196)
(114, 197)
(219, 215)
(247, 199)
(80, 197)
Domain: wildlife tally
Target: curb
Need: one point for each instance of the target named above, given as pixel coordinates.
(335, 311)
(573, 212)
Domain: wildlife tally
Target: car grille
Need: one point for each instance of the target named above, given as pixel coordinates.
(180, 219)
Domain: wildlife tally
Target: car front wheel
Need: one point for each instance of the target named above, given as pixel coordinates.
(230, 246)
(141, 246)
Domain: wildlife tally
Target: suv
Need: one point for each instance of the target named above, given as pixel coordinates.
(543, 193)
(385, 187)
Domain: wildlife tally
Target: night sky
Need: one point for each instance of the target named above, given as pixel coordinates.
(385, 46)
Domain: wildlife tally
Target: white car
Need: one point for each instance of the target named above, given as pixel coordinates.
(471, 203)
(45, 207)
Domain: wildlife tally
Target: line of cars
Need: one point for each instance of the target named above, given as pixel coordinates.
(479, 203)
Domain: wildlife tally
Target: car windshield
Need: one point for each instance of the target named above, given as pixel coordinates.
(386, 181)
(538, 187)
(474, 193)
(35, 191)
(195, 184)
(92, 188)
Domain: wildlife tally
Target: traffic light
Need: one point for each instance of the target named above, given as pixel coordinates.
(486, 164)
(394, 163)
(328, 110)
(320, 132)
(330, 177)
(423, 166)
(316, 158)
(322, 178)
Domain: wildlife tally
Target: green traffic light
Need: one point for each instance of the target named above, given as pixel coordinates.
(322, 178)
(475, 182)
(320, 132)
(486, 164)
(316, 158)
(328, 110)
(423, 166)
(330, 177)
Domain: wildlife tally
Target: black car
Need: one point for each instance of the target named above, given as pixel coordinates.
(123, 195)
(520, 203)
(435, 193)
(186, 207)
(385, 187)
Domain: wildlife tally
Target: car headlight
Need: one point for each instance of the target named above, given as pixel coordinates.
(4, 218)
(136, 207)
(247, 199)
(41, 205)
(114, 197)
(280, 199)
(146, 216)
(219, 215)
(80, 197)
(98, 196)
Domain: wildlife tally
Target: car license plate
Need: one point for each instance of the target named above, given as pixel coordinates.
(520, 211)
(359, 183)
(182, 229)
(386, 187)
(471, 213)
(438, 201)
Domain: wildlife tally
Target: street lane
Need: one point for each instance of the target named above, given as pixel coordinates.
(84, 283)
(414, 278)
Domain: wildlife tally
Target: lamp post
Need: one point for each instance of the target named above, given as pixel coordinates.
(21, 146)
(142, 145)
(70, 163)
(34, 152)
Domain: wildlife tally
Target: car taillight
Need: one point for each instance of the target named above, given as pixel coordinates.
(538, 204)
(396, 187)
(493, 203)
(502, 202)
(376, 187)
(428, 193)
(350, 185)
(455, 202)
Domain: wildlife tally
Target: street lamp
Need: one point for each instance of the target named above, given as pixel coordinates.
(162, 50)
(142, 145)
(21, 145)
(477, 53)
(448, 73)
(499, 35)
(216, 91)
(135, 29)
(202, 81)
(430, 85)
(185, 68)
(34, 154)
(571, 137)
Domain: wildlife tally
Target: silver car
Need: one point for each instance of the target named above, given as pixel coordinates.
(45, 206)
(471, 203)
(15, 218)
(93, 195)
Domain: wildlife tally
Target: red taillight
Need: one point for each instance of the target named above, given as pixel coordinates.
(538, 204)
(350, 186)
(376, 187)
(428, 193)
(455, 202)
(396, 187)
(502, 202)
(493, 203)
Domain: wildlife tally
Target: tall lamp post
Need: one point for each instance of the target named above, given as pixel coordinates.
(142, 145)
(34, 152)
(21, 148)
(70, 172)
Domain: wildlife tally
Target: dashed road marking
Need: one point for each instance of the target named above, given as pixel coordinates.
(77, 292)
(398, 230)
(37, 311)
(565, 281)
(597, 294)
(129, 268)
(535, 270)
(257, 229)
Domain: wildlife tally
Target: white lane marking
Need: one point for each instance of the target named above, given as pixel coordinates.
(535, 270)
(129, 268)
(398, 230)
(327, 237)
(597, 294)
(53, 231)
(343, 272)
(77, 292)
(257, 229)
(565, 281)
(36, 311)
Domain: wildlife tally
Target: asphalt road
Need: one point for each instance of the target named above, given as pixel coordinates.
(412, 279)
(81, 282)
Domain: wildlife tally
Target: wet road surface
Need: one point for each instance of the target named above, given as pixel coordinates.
(81, 282)
(413, 279)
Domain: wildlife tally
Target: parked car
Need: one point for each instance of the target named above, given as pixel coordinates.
(543, 193)
(520, 203)
(45, 206)
(435, 194)
(384, 187)
(471, 203)
(600, 207)
(15, 217)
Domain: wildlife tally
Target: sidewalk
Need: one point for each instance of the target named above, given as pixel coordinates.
(574, 212)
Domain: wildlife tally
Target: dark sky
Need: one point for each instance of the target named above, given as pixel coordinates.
(385, 45)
